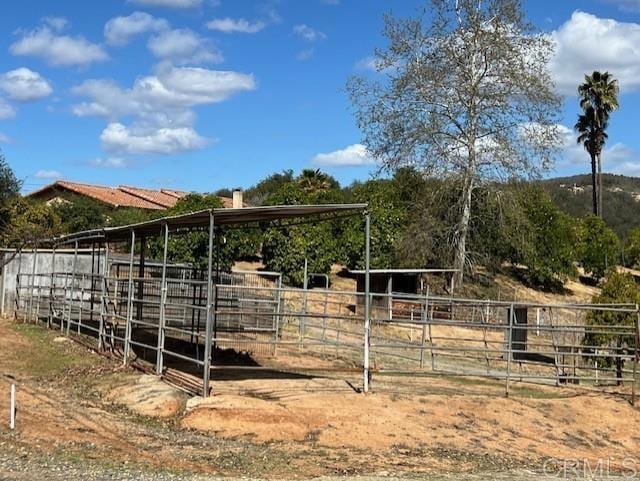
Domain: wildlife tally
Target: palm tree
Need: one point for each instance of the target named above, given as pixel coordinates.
(593, 140)
(598, 98)
(315, 181)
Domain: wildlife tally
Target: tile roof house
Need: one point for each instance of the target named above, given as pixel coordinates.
(121, 196)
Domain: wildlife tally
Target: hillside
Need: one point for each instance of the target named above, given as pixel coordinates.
(621, 208)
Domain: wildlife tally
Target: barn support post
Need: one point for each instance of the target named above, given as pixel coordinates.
(424, 320)
(509, 347)
(206, 374)
(38, 295)
(305, 287)
(93, 279)
(276, 332)
(127, 329)
(81, 303)
(16, 301)
(32, 282)
(390, 298)
(367, 300)
(636, 357)
(104, 298)
(140, 296)
(52, 287)
(73, 280)
(64, 299)
(163, 300)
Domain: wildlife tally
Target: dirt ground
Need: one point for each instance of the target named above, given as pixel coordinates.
(81, 409)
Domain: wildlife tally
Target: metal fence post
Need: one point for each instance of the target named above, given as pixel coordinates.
(127, 329)
(104, 298)
(163, 300)
(424, 318)
(18, 286)
(73, 280)
(208, 329)
(32, 282)
(52, 288)
(277, 316)
(82, 281)
(509, 347)
(635, 357)
(305, 287)
(367, 300)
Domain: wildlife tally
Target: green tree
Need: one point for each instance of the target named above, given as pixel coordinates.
(388, 219)
(79, 213)
(542, 238)
(192, 247)
(22, 221)
(617, 289)
(9, 183)
(285, 248)
(27, 222)
(599, 247)
(259, 193)
(9, 190)
(598, 98)
(632, 248)
(313, 181)
(463, 93)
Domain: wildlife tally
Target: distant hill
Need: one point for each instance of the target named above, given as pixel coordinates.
(621, 208)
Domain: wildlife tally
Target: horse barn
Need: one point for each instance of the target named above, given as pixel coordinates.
(192, 326)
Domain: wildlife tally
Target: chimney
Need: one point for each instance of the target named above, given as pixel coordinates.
(237, 199)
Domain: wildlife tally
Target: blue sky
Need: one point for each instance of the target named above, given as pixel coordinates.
(204, 94)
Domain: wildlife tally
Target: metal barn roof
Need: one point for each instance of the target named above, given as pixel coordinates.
(200, 219)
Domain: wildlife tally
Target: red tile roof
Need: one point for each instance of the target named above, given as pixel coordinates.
(121, 196)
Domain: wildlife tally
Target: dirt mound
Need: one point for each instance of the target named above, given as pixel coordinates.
(575, 425)
(149, 396)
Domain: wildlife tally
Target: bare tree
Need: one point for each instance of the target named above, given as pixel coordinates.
(462, 92)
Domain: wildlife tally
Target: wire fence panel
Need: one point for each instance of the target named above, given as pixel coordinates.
(555, 344)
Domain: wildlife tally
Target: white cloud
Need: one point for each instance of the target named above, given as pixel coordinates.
(353, 155)
(168, 3)
(24, 85)
(585, 43)
(232, 25)
(617, 158)
(6, 110)
(119, 30)
(160, 106)
(119, 138)
(109, 162)
(57, 50)
(5, 139)
(182, 46)
(307, 33)
(48, 174)
(57, 23)
(171, 90)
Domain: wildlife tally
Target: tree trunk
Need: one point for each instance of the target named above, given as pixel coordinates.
(463, 229)
(594, 187)
(600, 184)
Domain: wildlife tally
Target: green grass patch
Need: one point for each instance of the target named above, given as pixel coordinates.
(42, 357)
